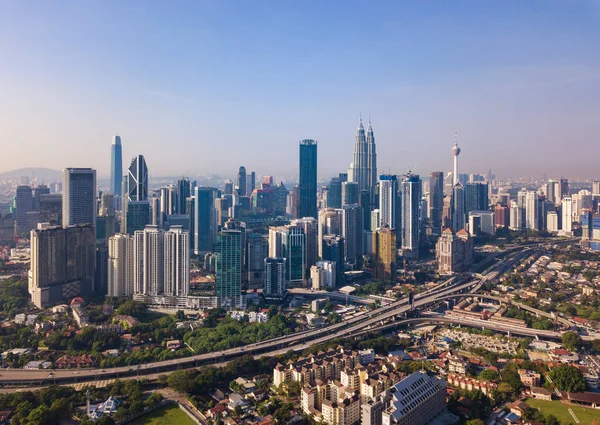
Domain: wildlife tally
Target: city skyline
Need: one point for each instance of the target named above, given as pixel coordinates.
(511, 78)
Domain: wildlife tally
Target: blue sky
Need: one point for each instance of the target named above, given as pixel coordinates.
(206, 86)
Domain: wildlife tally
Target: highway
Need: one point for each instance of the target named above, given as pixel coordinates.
(374, 320)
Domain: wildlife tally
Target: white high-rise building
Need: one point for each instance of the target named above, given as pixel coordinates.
(566, 206)
(375, 219)
(388, 202)
(177, 262)
(516, 216)
(149, 261)
(411, 201)
(531, 211)
(552, 222)
(121, 267)
(596, 187)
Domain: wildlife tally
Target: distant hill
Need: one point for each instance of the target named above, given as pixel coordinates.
(44, 174)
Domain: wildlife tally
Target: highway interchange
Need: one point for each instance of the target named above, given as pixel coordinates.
(386, 317)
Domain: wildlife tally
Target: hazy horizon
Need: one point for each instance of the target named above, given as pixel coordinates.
(203, 87)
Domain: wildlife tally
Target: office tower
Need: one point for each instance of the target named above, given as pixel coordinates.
(454, 251)
(307, 203)
(62, 263)
(501, 215)
(228, 281)
(106, 226)
(121, 267)
(384, 254)
(137, 180)
(181, 220)
(79, 196)
(531, 211)
(250, 183)
(149, 246)
(275, 283)
(289, 242)
(24, 204)
(350, 193)
(388, 201)
(333, 250)
(168, 200)
(258, 250)
(177, 262)
(101, 269)
(334, 193)
(436, 201)
(311, 232)
(51, 209)
(156, 216)
(567, 214)
(411, 199)
(476, 197)
(352, 230)
(222, 206)
(37, 194)
(241, 182)
(562, 189)
(183, 192)
(228, 190)
(365, 204)
(517, 215)
(205, 225)
(551, 188)
(596, 187)
(116, 166)
(293, 201)
(190, 211)
(136, 216)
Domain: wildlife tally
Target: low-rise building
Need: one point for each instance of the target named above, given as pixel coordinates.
(529, 378)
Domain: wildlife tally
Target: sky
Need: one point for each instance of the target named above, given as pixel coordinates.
(201, 87)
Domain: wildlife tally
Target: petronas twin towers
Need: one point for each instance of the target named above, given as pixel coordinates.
(363, 169)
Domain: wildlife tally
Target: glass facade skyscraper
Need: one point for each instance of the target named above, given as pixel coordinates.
(307, 204)
(137, 180)
(205, 220)
(79, 196)
(116, 166)
(228, 280)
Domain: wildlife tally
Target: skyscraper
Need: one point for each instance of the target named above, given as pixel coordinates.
(596, 187)
(476, 197)
(258, 250)
(116, 166)
(121, 267)
(205, 216)
(275, 285)
(311, 232)
(359, 171)
(79, 196)
(436, 201)
(352, 230)
(307, 204)
(177, 262)
(350, 193)
(37, 195)
(62, 263)
(388, 198)
(411, 200)
(183, 192)
(149, 261)
(241, 181)
(531, 211)
(567, 214)
(228, 281)
(384, 254)
(333, 250)
(24, 204)
(371, 159)
(137, 180)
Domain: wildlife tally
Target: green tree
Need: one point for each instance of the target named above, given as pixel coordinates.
(571, 341)
(182, 381)
(489, 375)
(568, 378)
(475, 422)
(180, 315)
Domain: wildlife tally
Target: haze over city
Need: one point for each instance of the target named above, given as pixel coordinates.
(202, 87)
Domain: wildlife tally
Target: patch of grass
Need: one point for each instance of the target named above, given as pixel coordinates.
(167, 415)
(561, 411)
